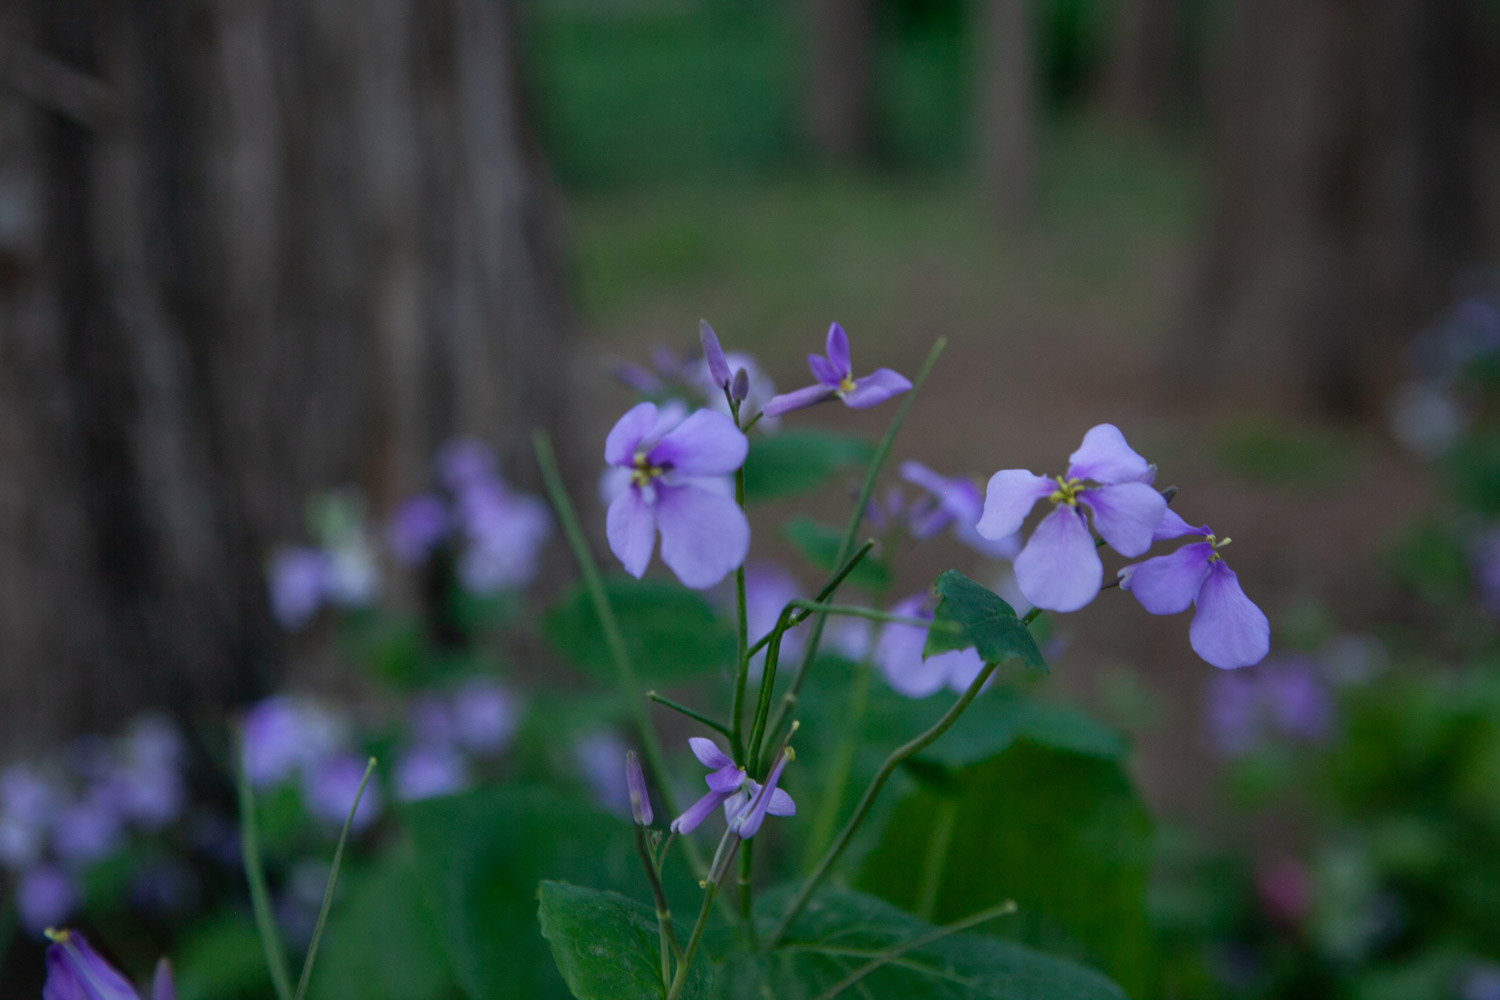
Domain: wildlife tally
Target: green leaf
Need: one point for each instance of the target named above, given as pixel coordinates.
(673, 634)
(842, 931)
(221, 959)
(607, 946)
(1062, 833)
(799, 461)
(819, 544)
(984, 621)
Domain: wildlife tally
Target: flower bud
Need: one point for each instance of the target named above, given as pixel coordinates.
(718, 367)
(640, 802)
(740, 387)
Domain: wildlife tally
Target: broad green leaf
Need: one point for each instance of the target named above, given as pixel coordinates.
(841, 931)
(984, 621)
(607, 946)
(799, 461)
(819, 544)
(1062, 833)
(221, 959)
(670, 632)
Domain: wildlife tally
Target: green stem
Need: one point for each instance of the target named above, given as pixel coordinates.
(906, 947)
(677, 706)
(260, 895)
(898, 755)
(1031, 616)
(746, 870)
(815, 637)
(742, 637)
(333, 878)
(937, 856)
(711, 888)
(825, 593)
(664, 931)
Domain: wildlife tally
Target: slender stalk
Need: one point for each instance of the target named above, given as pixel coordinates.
(906, 947)
(937, 856)
(747, 854)
(742, 623)
(815, 637)
(260, 895)
(664, 932)
(730, 842)
(1031, 616)
(677, 706)
(333, 878)
(888, 768)
(823, 594)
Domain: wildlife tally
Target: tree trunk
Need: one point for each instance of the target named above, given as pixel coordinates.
(1007, 110)
(249, 249)
(841, 80)
(1346, 203)
(1142, 66)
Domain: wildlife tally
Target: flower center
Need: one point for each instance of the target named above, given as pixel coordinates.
(846, 384)
(642, 471)
(1067, 491)
(1217, 543)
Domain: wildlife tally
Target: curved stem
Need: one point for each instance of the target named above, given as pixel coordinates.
(678, 706)
(823, 594)
(333, 878)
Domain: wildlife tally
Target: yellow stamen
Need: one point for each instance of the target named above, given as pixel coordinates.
(846, 384)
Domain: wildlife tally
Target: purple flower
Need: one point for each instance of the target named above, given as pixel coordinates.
(285, 735)
(1288, 697)
(464, 462)
(718, 367)
(728, 785)
(597, 757)
(898, 653)
(298, 584)
(28, 805)
(88, 829)
(1059, 569)
(1228, 630)
(959, 503)
(484, 716)
(426, 772)
(768, 588)
(835, 375)
(75, 971)
(329, 790)
(45, 896)
(505, 532)
(635, 782)
(416, 528)
(704, 534)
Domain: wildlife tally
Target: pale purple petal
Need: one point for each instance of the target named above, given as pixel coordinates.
(703, 535)
(631, 528)
(1008, 499)
(1228, 630)
(718, 367)
(1125, 515)
(1059, 569)
(1173, 526)
(708, 752)
(797, 399)
(76, 972)
(705, 444)
(898, 652)
(1104, 457)
(963, 665)
(1168, 585)
(725, 779)
(837, 349)
(161, 985)
(876, 388)
(957, 495)
(628, 432)
(635, 783)
(750, 825)
(698, 812)
(781, 804)
(824, 371)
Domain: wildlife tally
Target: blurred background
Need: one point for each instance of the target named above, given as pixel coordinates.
(255, 251)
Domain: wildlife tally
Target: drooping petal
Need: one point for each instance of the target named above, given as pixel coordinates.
(630, 526)
(781, 804)
(837, 349)
(705, 444)
(76, 972)
(1228, 630)
(1168, 585)
(875, 388)
(898, 653)
(1125, 515)
(1059, 569)
(698, 812)
(824, 371)
(797, 399)
(750, 825)
(628, 433)
(162, 987)
(1104, 457)
(718, 366)
(1008, 498)
(708, 753)
(635, 785)
(725, 779)
(1173, 526)
(703, 535)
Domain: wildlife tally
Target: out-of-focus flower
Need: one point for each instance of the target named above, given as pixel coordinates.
(144, 779)
(1426, 418)
(328, 790)
(1059, 569)
(959, 504)
(768, 588)
(850, 638)
(417, 528)
(1287, 697)
(505, 532)
(353, 574)
(704, 534)
(298, 585)
(597, 757)
(635, 784)
(898, 653)
(485, 715)
(28, 803)
(432, 720)
(426, 772)
(835, 375)
(1228, 630)
(465, 462)
(87, 829)
(285, 735)
(1485, 558)
(45, 896)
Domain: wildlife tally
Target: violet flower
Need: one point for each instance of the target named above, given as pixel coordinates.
(635, 782)
(835, 375)
(485, 716)
(1228, 630)
(728, 786)
(597, 757)
(898, 653)
(427, 772)
(45, 895)
(416, 528)
(768, 589)
(299, 580)
(960, 504)
(1059, 569)
(284, 735)
(75, 971)
(505, 532)
(674, 489)
(329, 791)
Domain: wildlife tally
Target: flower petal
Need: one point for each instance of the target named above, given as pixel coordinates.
(875, 388)
(1228, 630)
(837, 349)
(630, 526)
(1168, 585)
(705, 444)
(898, 652)
(725, 779)
(1008, 498)
(708, 752)
(1104, 457)
(1173, 526)
(797, 399)
(703, 535)
(781, 804)
(718, 366)
(75, 971)
(1059, 569)
(824, 371)
(628, 432)
(749, 826)
(962, 666)
(1125, 515)
(698, 812)
(162, 987)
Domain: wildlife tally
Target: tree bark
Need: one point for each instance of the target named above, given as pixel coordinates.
(840, 109)
(1142, 65)
(249, 249)
(1346, 200)
(1007, 110)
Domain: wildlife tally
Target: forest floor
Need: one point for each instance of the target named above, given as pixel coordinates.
(1050, 331)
